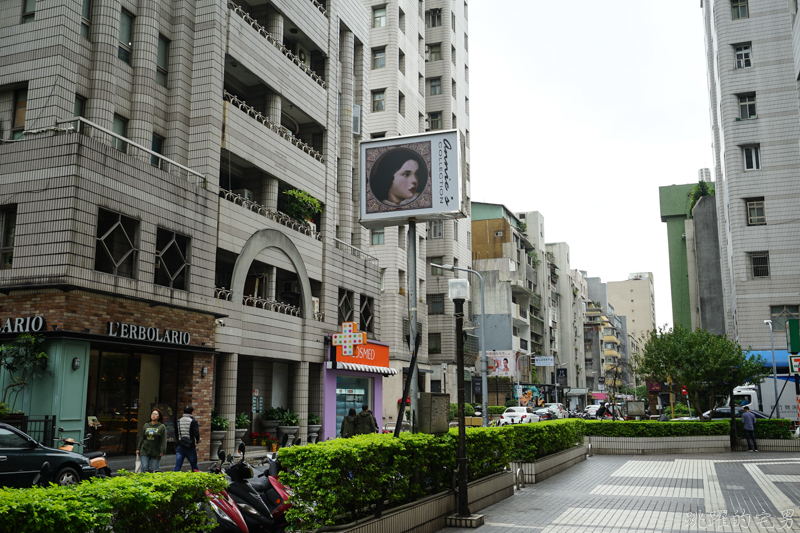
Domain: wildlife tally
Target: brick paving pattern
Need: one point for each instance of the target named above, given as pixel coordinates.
(741, 492)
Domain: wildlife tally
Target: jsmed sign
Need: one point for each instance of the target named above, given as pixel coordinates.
(142, 333)
(365, 354)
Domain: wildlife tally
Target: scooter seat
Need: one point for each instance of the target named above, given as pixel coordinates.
(261, 484)
(92, 455)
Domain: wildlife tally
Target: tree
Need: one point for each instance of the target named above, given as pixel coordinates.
(707, 365)
(24, 359)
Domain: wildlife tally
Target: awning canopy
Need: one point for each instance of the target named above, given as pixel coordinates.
(386, 371)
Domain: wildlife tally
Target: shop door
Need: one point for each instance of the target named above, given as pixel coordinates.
(112, 398)
(351, 392)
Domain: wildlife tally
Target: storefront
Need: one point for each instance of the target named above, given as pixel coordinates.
(352, 381)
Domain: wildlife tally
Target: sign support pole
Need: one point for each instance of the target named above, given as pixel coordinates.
(412, 318)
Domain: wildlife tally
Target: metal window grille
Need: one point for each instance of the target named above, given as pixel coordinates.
(116, 249)
(436, 304)
(366, 316)
(172, 259)
(434, 343)
(8, 226)
(345, 306)
(759, 262)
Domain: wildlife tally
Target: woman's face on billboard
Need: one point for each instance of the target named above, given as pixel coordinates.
(404, 183)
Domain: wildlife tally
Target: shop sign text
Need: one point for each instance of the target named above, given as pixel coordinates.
(142, 333)
(29, 324)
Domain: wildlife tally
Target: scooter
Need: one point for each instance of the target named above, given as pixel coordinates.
(272, 491)
(222, 509)
(97, 459)
(256, 514)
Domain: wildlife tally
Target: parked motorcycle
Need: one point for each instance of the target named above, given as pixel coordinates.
(222, 508)
(272, 491)
(97, 459)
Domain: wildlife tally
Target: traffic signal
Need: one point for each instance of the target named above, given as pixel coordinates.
(684, 391)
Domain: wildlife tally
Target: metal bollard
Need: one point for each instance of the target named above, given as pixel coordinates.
(520, 478)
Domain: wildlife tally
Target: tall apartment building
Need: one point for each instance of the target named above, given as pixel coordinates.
(752, 71)
(418, 82)
(634, 299)
(146, 154)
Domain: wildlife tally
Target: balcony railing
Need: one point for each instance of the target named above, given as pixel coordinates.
(279, 45)
(277, 216)
(320, 7)
(277, 128)
(358, 252)
(222, 293)
(523, 314)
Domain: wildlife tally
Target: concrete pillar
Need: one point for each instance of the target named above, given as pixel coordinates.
(344, 171)
(274, 108)
(271, 282)
(275, 25)
(300, 398)
(271, 196)
(226, 396)
(143, 60)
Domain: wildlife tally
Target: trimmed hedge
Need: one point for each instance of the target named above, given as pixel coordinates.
(774, 428)
(169, 501)
(652, 428)
(534, 441)
(496, 409)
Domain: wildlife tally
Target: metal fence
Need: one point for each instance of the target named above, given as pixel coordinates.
(43, 429)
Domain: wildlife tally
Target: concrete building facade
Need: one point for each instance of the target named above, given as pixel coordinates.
(634, 299)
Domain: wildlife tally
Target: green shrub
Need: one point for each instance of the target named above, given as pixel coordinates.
(775, 428)
(169, 501)
(488, 450)
(496, 409)
(534, 441)
(512, 403)
(652, 428)
(468, 410)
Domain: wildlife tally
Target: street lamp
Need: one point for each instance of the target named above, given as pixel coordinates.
(481, 329)
(774, 372)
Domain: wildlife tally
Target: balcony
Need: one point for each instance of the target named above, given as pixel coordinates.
(276, 306)
(276, 216)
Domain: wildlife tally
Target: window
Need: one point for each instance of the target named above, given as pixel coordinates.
(78, 109)
(752, 158)
(743, 56)
(172, 259)
(366, 315)
(466, 11)
(379, 17)
(434, 343)
(466, 105)
(401, 237)
(120, 127)
(435, 271)
(755, 212)
(437, 229)
(466, 73)
(157, 146)
(28, 11)
(116, 246)
(401, 281)
(453, 54)
(436, 86)
(8, 227)
(453, 88)
(401, 103)
(433, 18)
(401, 62)
(466, 42)
(125, 36)
(402, 20)
(378, 58)
(739, 9)
(162, 60)
(779, 314)
(378, 103)
(455, 230)
(421, 86)
(435, 120)
(454, 122)
(747, 106)
(469, 240)
(383, 278)
(345, 305)
(453, 20)
(436, 304)
(421, 12)
(433, 52)
(20, 111)
(378, 135)
(759, 264)
(378, 236)
(498, 233)
(86, 19)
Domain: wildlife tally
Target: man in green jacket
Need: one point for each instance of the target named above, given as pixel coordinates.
(365, 423)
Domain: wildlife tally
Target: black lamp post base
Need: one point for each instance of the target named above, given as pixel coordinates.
(475, 520)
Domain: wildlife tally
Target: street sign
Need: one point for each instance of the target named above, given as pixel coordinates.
(794, 364)
(519, 391)
(684, 391)
(545, 360)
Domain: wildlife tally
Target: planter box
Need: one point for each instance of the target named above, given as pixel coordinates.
(429, 515)
(550, 465)
(771, 445)
(656, 445)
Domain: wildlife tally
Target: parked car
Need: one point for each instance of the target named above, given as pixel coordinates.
(558, 409)
(21, 458)
(725, 412)
(518, 415)
(591, 410)
(545, 413)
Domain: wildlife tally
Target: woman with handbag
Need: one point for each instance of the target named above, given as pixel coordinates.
(152, 442)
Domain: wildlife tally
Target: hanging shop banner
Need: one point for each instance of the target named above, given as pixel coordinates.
(545, 360)
(416, 177)
(503, 363)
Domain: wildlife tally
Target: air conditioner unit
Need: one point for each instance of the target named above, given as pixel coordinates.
(315, 300)
(356, 120)
(290, 286)
(247, 194)
(302, 54)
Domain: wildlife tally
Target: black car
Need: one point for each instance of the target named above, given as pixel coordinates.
(21, 458)
(725, 412)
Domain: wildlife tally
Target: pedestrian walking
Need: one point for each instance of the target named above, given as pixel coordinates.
(749, 422)
(365, 422)
(187, 436)
(349, 424)
(600, 413)
(152, 444)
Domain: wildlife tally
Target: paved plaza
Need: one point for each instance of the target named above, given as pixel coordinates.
(736, 492)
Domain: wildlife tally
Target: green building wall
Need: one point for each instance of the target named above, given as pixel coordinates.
(675, 200)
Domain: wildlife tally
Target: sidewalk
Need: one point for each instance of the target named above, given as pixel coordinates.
(736, 492)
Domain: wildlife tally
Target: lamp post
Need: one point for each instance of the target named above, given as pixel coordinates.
(774, 372)
(459, 291)
(484, 367)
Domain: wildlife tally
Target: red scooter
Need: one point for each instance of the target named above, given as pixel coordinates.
(223, 510)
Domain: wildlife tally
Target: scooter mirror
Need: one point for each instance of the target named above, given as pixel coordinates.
(221, 455)
(242, 447)
(230, 458)
(61, 430)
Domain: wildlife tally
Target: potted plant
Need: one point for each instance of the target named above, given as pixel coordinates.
(271, 418)
(289, 424)
(219, 428)
(314, 425)
(242, 425)
(302, 206)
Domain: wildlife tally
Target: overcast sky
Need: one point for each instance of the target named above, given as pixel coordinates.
(581, 110)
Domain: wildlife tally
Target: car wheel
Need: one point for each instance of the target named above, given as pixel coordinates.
(67, 476)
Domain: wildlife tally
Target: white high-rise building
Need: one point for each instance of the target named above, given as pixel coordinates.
(752, 75)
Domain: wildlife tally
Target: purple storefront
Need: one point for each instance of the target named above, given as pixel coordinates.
(352, 381)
